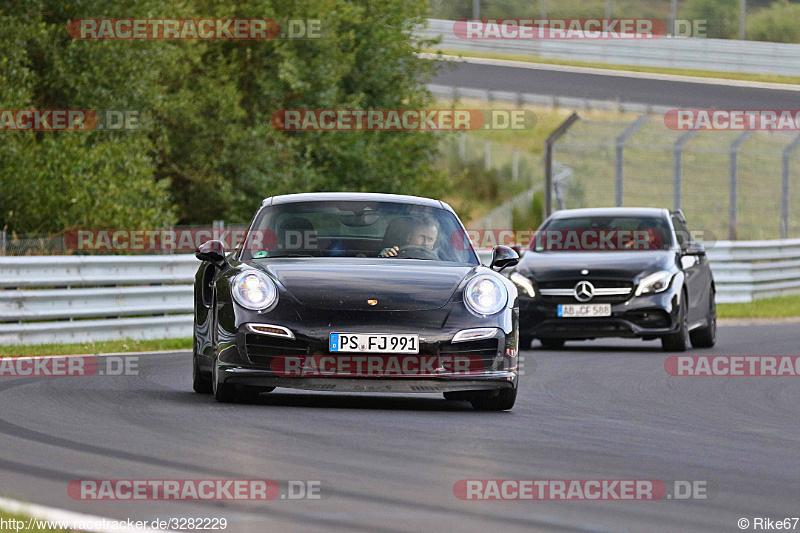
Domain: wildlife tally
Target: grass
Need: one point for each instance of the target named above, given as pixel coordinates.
(589, 150)
(473, 199)
(7, 516)
(89, 348)
(779, 307)
(741, 76)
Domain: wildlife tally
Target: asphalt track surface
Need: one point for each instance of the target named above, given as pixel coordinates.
(599, 410)
(603, 87)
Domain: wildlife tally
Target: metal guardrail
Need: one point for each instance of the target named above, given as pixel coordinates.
(449, 92)
(150, 297)
(66, 299)
(745, 271)
(750, 270)
(679, 52)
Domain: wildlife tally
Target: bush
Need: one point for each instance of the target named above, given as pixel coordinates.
(778, 23)
(722, 16)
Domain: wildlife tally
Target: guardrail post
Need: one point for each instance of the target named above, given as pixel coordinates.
(676, 167)
(733, 206)
(619, 162)
(548, 161)
(515, 164)
(462, 146)
(787, 153)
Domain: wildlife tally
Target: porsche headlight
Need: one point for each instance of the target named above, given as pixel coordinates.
(485, 295)
(521, 281)
(658, 282)
(254, 290)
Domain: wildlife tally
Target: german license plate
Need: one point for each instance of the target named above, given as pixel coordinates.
(374, 343)
(584, 311)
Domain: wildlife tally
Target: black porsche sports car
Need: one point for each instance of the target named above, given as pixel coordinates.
(616, 272)
(355, 292)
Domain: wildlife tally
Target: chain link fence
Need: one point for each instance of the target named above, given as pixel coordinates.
(735, 185)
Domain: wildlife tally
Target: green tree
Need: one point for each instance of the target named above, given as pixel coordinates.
(722, 16)
(209, 150)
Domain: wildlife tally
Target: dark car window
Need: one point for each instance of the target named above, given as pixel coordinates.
(356, 229)
(681, 231)
(602, 233)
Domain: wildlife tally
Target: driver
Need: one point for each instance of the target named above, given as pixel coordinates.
(423, 232)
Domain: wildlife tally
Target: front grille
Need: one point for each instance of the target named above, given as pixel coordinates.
(486, 348)
(261, 349)
(651, 318)
(606, 291)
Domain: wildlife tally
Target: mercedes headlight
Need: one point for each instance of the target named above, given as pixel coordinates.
(523, 282)
(485, 295)
(658, 282)
(254, 290)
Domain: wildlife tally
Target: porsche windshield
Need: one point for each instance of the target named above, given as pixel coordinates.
(358, 229)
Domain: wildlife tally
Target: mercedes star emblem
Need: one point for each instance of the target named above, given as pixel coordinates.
(584, 291)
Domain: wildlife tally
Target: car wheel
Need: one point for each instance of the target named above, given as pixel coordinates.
(497, 400)
(222, 391)
(552, 343)
(200, 383)
(679, 341)
(706, 337)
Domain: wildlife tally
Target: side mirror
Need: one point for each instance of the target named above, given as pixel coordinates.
(212, 252)
(502, 257)
(695, 248)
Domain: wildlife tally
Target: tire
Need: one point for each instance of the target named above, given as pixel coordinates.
(706, 337)
(200, 383)
(679, 341)
(499, 400)
(222, 392)
(525, 342)
(552, 343)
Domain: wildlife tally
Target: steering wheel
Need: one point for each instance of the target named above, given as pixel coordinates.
(416, 251)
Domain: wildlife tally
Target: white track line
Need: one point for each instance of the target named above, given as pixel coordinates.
(616, 73)
(59, 515)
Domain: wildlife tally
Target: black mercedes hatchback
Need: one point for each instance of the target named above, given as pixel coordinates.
(616, 272)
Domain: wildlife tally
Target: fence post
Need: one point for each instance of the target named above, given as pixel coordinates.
(733, 206)
(3, 241)
(676, 167)
(462, 146)
(548, 161)
(619, 162)
(787, 153)
(487, 155)
(515, 164)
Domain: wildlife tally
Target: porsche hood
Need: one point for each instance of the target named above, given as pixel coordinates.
(382, 285)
